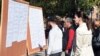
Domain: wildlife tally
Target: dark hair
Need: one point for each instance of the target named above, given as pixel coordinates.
(85, 18)
(53, 19)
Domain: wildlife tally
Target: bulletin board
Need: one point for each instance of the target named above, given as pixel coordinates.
(36, 35)
(21, 29)
(13, 29)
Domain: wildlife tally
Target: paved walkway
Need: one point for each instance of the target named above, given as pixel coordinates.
(43, 54)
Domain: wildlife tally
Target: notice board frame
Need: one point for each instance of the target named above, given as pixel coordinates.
(3, 32)
(29, 46)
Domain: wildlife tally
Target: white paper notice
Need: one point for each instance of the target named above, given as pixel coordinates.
(36, 27)
(17, 22)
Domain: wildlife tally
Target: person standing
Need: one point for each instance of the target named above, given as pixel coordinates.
(96, 37)
(55, 38)
(83, 35)
(70, 34)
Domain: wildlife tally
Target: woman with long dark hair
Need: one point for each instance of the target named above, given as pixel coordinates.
(83, 35)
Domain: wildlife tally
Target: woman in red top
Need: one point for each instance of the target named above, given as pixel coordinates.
(70, 35)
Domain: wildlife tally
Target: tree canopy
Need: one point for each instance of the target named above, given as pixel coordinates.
(63, 7)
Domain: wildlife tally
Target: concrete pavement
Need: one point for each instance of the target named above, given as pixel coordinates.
(43, 54)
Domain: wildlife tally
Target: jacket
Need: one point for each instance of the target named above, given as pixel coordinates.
(55, 41)
(64, 39)
(71, 35)
(83, 41)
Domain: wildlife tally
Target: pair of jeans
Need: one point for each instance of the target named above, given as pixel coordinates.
(56, 54)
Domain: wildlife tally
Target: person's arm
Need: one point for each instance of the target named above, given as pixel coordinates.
(50, 44)
(70, 40)
(79, 42)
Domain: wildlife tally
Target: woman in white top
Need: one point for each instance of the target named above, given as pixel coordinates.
(55, 39)
(83, 35)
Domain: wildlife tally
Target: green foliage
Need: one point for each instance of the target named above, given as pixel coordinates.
(61, 7)
(97, 2)
(86, 5)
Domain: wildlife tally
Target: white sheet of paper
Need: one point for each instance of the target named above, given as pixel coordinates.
(17, 22)
(36, 27)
